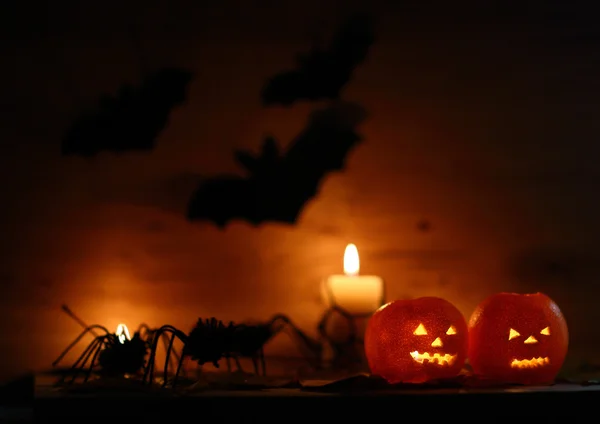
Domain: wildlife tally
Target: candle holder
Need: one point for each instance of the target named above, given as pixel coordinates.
(347, 351)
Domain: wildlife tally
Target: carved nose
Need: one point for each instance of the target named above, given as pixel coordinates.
(437, 343)
(530, 340)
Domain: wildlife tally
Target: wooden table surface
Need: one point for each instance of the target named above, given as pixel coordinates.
(315, 402)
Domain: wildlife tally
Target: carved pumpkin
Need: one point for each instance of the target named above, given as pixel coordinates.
(518, 338)
(414, 341)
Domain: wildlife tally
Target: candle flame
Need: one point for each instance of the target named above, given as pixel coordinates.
(351, 260)
(122, 333)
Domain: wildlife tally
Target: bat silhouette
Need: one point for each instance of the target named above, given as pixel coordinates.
(131, 120)
(279, 184)
(321, 74)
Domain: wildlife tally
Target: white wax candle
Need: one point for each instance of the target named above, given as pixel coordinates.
(356, 294)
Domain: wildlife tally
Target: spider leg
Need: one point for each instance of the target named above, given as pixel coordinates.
(168, 359)
(101, 344)
(179, 367)
(255, 363)
(86, 353)
(149, 371)
(91, 354)
(228, 359)
(143, 327)
(237, 363)
(168, 345)
(177, 359)
(75, 371)
(261, 354)
(91, 328)
(79, 364)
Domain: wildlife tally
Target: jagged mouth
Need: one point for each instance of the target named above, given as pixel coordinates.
(530, 363)
(436, 358)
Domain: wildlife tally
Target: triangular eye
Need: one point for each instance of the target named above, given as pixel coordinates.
(513, 334)
(420, 331)
(451, 331)
(545, 331)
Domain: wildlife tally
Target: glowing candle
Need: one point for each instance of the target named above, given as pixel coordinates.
(122, 333)
(355, 294)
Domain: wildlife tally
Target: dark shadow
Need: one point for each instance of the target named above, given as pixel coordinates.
(322, 73)
(18, 392)
(169, 194)
(132, 119)
(548, 267)
(279, 184)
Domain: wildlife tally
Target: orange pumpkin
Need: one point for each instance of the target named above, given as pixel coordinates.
(414, 341)
(518, 338)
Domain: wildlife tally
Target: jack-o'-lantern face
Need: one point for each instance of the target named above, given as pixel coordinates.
(418, 340)
(434, 354)
(532, 362)
(518, 338)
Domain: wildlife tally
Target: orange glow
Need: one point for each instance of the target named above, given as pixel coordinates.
(351, 260)
(436, 358)
(530, 363)
(437, 343)
(420, 331)
(122, 333)
(530, 340)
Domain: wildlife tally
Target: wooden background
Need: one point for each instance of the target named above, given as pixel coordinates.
(483, 126)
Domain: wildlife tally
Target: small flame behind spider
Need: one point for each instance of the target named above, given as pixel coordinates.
(122, 333)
